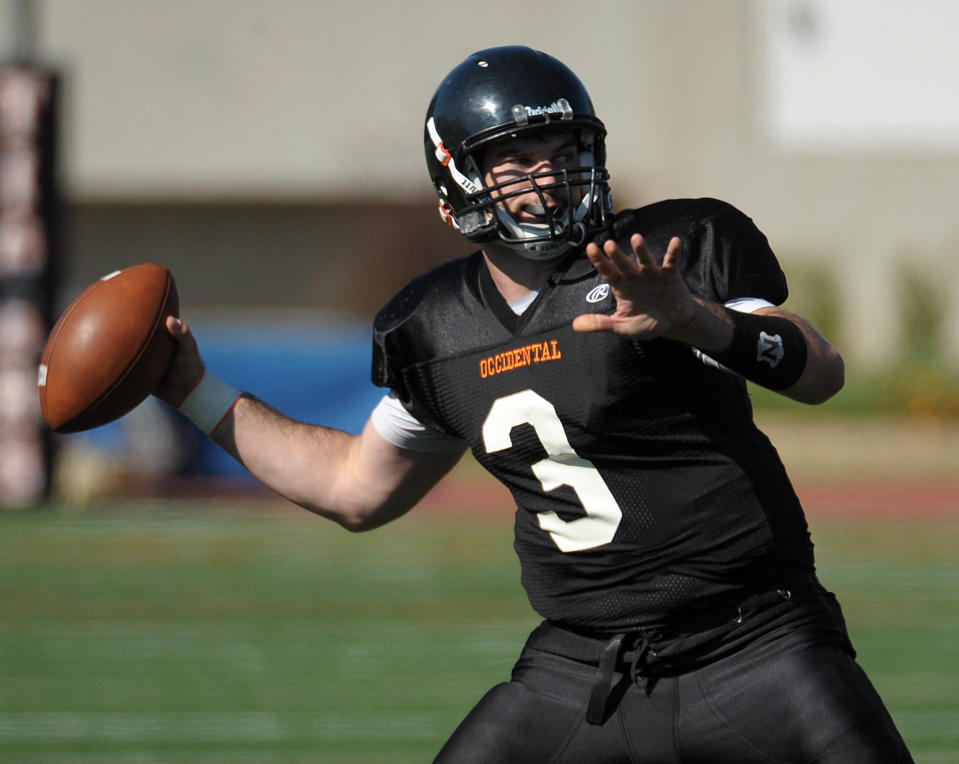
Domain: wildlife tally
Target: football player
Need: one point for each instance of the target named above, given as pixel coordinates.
(595, 362)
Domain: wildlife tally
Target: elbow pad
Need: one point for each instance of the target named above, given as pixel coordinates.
(768, 350)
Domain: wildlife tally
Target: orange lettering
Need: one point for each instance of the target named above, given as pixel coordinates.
(536, 352)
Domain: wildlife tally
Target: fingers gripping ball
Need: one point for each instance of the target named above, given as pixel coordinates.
(109, 349)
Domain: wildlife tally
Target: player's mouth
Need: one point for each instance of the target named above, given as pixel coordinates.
(537, 214)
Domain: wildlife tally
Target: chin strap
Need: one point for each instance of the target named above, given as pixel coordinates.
(540, 250)
(521, 238)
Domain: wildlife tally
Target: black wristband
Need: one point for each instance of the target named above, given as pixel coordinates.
(767, 350)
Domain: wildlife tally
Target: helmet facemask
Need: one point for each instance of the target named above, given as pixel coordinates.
(573, 204)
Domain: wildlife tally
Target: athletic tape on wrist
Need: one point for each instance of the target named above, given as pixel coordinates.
(768, 350)
(209, 402)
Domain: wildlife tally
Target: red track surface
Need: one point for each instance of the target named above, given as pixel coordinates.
(895, 500)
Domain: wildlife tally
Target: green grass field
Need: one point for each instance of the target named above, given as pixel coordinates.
(189, 632)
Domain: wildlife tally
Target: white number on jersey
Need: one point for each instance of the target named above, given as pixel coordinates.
(562, 466)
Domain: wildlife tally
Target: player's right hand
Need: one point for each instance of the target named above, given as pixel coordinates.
(185, 370)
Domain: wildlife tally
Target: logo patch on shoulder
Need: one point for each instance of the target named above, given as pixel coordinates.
(598, 293)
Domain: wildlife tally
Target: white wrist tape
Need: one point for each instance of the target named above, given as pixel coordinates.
(209, 402)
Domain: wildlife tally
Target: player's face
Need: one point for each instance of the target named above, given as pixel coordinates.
(546, 155)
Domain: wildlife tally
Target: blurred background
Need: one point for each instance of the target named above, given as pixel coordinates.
(269, 152)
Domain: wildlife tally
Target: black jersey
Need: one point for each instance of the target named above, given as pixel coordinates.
(643, 489)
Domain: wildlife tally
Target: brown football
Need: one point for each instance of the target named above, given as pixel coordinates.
(109, 349)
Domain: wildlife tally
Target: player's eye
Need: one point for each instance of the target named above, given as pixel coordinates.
(524, 161)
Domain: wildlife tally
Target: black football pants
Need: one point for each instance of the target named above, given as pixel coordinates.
(790, 694)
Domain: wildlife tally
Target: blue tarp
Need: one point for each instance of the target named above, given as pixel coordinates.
(317, 373)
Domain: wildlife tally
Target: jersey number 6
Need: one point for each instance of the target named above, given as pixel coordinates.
(562, 466)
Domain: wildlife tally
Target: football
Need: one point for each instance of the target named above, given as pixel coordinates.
(109, 349)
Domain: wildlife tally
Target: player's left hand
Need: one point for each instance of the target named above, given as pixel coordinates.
(651, 300)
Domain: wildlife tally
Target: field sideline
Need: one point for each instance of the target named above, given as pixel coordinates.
(220, 630)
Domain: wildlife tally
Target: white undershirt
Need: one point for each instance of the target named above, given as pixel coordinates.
(520, 304)
(398, 426)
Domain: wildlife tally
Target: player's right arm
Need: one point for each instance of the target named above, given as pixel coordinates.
(360, 481)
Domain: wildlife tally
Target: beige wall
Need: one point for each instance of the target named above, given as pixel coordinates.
(290, 97)
(255, 100)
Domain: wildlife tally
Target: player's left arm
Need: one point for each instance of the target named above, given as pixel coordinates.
(771, 347)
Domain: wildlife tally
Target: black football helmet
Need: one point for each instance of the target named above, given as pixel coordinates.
(507, 92)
